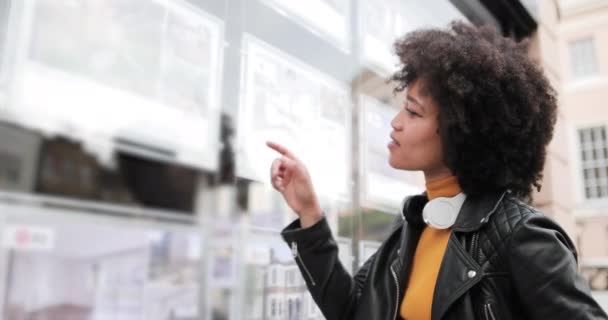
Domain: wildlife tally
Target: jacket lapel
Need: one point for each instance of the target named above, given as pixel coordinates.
(410, 234)
(409, 241)
(459, 272)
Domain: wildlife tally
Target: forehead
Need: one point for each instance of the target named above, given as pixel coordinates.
(418, 93)
(418, 88)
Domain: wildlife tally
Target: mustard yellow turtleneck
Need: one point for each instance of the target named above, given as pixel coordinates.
(418, 300)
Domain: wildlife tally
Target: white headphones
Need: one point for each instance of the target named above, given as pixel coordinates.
(441, 212)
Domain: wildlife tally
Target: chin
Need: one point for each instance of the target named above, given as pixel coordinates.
(396, 165)
(402, 165)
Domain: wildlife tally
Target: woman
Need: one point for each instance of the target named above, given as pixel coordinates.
(477, 120)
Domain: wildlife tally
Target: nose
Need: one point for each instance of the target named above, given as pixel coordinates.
(396, 123)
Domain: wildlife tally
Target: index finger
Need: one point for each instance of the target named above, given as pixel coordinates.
(280, 149)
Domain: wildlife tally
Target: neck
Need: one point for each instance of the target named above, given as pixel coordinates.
(444, 187)
(441, 173)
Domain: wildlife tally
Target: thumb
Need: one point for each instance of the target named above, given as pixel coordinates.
(287, 170)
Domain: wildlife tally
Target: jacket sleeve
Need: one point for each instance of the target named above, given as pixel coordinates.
(544, 270)
(316, 254)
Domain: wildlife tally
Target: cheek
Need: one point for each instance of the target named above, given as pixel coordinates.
(421, 136)
(423, 145)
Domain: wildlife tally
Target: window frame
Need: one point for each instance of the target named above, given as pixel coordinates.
(578, 68)
(583, 205)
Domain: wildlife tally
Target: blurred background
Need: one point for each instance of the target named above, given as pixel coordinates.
(133, 171)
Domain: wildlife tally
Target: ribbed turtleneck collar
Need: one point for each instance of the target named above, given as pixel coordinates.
(446, 187)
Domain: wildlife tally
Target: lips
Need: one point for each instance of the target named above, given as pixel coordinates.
(393, 144)
(394, 140)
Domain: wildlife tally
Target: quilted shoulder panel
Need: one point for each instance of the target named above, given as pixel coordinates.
(494, 234)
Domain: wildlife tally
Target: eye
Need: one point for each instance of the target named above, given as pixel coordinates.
(411, 112)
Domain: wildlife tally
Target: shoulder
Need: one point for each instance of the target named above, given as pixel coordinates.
(514, 214)
(520, 224)
(517, 215)
(509, 215)
(515, 226)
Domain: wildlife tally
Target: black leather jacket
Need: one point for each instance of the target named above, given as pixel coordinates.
(504, 260)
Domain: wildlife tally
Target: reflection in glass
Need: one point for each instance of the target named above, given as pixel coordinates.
(275, 288)
(97, 271)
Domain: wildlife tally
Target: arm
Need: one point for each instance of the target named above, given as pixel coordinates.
(316, 254)
(544, 271)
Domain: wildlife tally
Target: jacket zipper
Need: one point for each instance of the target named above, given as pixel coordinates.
(474, 245)
(397, 295)
(487, 309)
(296, 255)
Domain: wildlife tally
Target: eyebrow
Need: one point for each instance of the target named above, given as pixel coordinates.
(412, 99)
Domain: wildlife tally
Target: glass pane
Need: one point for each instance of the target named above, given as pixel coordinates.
(581, 136)
(5, 10)
(274, 285)
(65, 269)
(118, 45)
(582, 58)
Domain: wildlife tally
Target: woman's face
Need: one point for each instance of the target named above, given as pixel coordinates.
(415, 141)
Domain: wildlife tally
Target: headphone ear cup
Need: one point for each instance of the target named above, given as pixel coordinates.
(442, 212)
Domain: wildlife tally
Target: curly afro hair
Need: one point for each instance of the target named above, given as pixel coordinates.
(496, 108)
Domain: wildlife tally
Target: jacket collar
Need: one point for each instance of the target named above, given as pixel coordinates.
(475, 211)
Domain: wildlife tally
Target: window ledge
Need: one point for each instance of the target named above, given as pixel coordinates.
(592, 208)
(592, 82)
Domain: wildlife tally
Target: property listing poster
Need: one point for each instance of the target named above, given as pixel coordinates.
(287, 101)
(432, 14)
(329, 18)
(380, 23)
(143, 71)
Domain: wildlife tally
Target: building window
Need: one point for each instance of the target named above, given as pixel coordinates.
(313, 309)
(594, 160)
(273, 307)
(298, 307)
(291, 278)
(583, 60)
(273, 279)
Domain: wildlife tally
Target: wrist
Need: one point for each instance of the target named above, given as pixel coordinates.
(310, 216)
